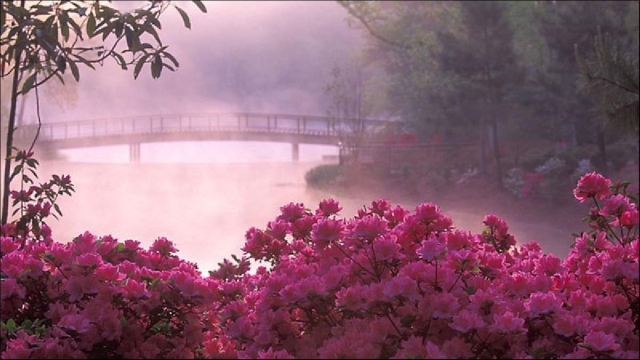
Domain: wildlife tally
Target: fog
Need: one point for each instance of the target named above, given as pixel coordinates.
(239, 56)
(277, 57)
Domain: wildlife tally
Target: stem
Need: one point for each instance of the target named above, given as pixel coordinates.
(35, 138)
(352, 259)
(455, 282)
(10, 130)
(608, 226)
(386, 313)
(436, 287)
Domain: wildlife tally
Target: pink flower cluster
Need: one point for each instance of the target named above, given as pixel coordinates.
(388, 283)
(100, 298)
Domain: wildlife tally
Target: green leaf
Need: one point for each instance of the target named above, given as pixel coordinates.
(61, 63)
(131, 43)
(16, 171)
(185, 17)
(155, 22)
(28, 84)
(141, 61)
(200, 5)
(76, 28)
(172, 58)
(120, 60)
(156, 67)
(3, 18)
(35, 225)
(91, 25)
(470, 290)
(57, 208)
(74, 70)
(407, 320)
(84, 61)
(119, 27)
(154, 33)
(64, 28)
(10, 326)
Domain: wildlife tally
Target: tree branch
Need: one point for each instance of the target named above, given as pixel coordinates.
(615, 83)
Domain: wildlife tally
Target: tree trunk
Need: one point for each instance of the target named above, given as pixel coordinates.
(9, 146)
(483, 145)
(496, 151)
(602, 147)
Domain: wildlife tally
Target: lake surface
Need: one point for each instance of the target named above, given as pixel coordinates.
(205, 209)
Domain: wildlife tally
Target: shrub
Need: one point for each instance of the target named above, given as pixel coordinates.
(387, 283)
(323, 175)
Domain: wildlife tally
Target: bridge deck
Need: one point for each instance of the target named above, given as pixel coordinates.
(197, 127)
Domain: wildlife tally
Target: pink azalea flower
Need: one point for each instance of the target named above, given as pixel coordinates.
(351, 298)
(616, 205)
(543, 303)
(395, 216)
(379, 207)
(84, 243)
(370, 227)
(630, 218)
(431, 248)
(442, 305)
(89, 260)
(108, 272)
(163, 246)
(600, 341)
(458, 239)
(10, 287)
(278, 229)
(76, 322)
(8, 245)
(466, 321)
(291, 212)
(135, 289)
(570, 323)
(328, 207)
(78, 286)
(386, 248)
(592, 185)
(427, 212)
(508, 322)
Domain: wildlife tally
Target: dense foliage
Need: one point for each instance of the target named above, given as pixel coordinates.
(507, 74)
(386, 283)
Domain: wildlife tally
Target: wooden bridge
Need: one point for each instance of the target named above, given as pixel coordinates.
(293, 129)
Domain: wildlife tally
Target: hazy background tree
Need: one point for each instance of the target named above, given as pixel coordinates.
(502, 73)
(611, 75)
(565, 25)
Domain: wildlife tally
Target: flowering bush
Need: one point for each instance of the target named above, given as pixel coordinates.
(514, 181)
(388, 283)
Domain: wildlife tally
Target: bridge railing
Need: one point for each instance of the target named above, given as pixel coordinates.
(196, 122)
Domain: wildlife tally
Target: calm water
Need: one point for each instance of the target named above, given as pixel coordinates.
(206, 208)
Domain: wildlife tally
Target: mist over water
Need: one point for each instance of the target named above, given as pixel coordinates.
(205, 208)
(241, 56)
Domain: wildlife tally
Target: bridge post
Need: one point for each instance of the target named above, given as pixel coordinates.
(295, 151)
(134, 153)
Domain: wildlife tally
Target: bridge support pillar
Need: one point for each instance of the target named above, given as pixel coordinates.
(295, 151)
(134, 153)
